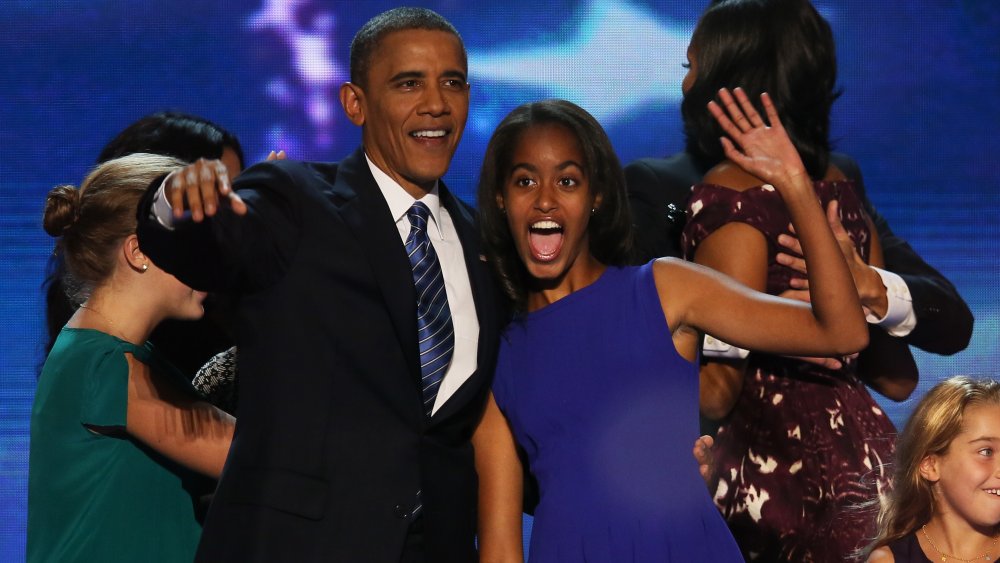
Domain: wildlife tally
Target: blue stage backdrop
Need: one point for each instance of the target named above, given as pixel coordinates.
(918, 112)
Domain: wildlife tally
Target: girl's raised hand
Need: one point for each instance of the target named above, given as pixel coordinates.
(762, 149)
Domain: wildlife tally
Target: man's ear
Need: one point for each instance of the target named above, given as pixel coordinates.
(929, 468)
(133, 255)
(352, 98)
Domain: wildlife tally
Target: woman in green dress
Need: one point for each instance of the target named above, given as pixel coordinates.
(116, 432)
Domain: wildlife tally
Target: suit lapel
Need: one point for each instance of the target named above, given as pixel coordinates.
(363, 207)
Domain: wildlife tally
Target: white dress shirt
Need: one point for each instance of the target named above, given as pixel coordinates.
(444, 239)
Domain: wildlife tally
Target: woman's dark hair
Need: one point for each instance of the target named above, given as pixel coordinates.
(782, 47)
(610, 228)
(180, 135)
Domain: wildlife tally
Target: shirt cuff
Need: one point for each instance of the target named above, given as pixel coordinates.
(715, 348)
(899, 319)
(161, 209)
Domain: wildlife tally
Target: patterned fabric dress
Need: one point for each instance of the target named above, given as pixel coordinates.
(803, 445)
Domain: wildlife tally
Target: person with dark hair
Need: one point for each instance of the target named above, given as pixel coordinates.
(910, 302)
(187, 345)
(367, 323)
(117, 433)
(180, 135)
(596, 377)
(800, 440)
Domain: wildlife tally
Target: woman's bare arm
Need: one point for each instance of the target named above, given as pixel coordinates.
(716, 304)
(500, 489)
(186, 430)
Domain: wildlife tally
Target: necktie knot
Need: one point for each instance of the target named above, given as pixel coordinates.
(418, 215)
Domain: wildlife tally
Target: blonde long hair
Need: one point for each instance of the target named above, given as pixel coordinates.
(930, 430)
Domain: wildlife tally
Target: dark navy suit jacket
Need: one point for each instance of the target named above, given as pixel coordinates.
(332, 443)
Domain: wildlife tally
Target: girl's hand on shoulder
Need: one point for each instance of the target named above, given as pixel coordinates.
(762, 149)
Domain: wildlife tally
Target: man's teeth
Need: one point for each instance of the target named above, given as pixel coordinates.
(434, 133)
(546, 225)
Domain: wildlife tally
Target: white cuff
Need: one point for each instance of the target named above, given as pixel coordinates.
(715, 348)
(899, 319)
(161, 209)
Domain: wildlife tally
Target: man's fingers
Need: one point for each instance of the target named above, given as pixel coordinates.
(791, 243)
(793, 262)
(237, 204)
(799, 283)
(207, 189)
(197, 188)
(175, 192)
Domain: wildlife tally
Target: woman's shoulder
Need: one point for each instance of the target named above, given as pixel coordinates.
(77, 343)
(727, 174)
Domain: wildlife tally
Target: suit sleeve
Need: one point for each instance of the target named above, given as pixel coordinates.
(944, 321)
(228, 252)
(657, 205)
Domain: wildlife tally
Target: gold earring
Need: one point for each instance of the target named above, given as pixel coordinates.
(145, 267)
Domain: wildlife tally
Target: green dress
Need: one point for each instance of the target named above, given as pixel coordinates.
(101, 497)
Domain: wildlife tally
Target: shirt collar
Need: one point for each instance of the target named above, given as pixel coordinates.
(400, 201)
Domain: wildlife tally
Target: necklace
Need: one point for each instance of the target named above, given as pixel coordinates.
(111, 324)
(947, 557)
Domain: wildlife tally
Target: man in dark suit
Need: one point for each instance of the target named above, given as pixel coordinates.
(924, 308)
(347, 446)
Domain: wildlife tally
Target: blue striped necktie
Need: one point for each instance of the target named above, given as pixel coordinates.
(435, 333)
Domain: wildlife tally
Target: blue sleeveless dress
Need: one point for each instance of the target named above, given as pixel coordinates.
(607, 412)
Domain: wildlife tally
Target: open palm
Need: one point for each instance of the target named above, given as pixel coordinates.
(762, 149)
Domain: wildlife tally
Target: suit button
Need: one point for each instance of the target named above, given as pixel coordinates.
(401, 512)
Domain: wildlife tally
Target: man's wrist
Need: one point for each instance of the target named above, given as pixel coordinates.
(899, 319)
(875, 296)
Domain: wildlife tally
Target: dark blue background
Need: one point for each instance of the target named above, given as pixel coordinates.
(920, 80)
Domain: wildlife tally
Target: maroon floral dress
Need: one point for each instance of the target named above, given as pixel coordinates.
(804, 445)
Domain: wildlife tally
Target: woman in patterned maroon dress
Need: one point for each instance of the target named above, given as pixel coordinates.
(803, 441)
